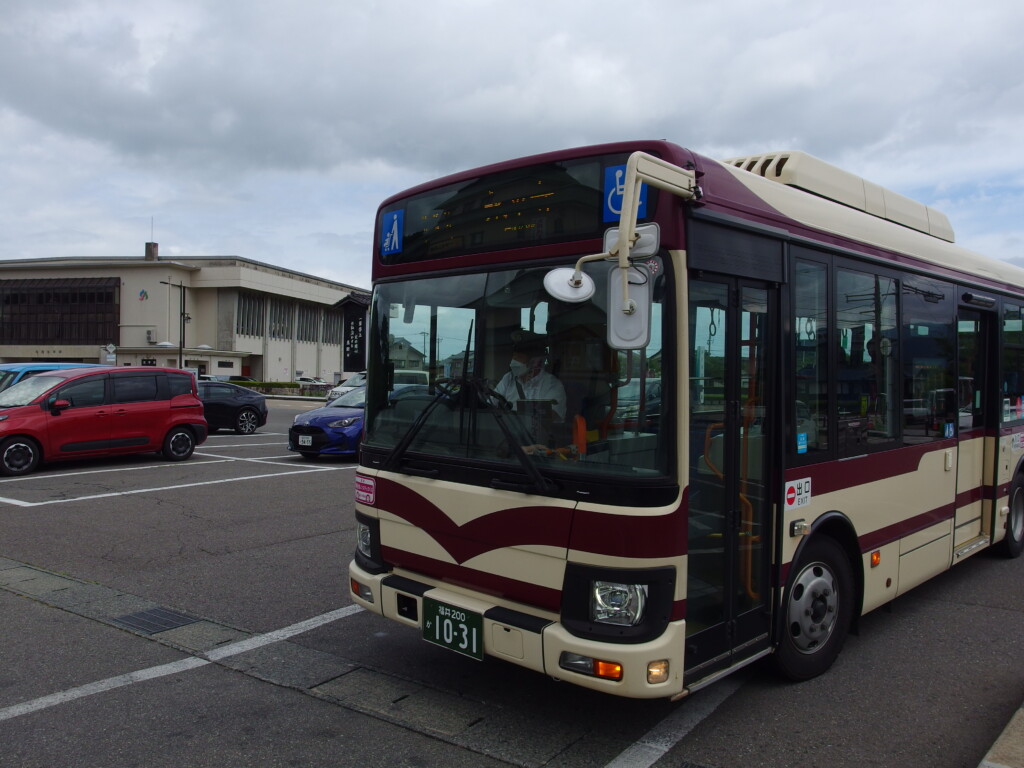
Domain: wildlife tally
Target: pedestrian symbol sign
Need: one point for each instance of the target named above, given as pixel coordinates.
(391, 232)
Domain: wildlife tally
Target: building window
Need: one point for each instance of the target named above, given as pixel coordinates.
(280, 319)
(72, 310)
(308, 323)
(251, 308)
(332, 327)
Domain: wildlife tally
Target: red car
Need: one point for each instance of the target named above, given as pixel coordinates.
(87, 412)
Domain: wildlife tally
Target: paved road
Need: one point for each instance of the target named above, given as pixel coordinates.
(197, 614)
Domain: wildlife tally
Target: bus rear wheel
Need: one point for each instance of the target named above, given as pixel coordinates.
(1013, 544)
(818, 609)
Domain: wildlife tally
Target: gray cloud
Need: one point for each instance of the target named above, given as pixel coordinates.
(258, 127)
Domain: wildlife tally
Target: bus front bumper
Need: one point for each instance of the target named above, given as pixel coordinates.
(648, 670)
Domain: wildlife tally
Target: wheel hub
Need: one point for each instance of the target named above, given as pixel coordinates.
(17, 456)
(813, 604)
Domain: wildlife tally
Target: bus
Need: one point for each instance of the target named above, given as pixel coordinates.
(825, 409)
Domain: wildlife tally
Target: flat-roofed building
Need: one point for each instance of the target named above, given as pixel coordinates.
(220, 315)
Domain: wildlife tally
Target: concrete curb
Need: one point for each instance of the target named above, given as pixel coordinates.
(1008, 751)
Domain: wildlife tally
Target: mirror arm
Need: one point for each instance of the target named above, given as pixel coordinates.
(572, 284)
(643, 168)
(577, 276)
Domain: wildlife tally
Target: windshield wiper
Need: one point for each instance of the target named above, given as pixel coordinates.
(484, 394)
(540, 482)
(494, 403)
(403, 445)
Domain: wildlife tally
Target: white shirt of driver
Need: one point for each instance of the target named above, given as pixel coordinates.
(543, 386)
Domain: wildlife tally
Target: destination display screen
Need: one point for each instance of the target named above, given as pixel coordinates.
(534, 205)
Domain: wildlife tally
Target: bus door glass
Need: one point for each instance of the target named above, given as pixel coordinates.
(731, 438)
(976, 359)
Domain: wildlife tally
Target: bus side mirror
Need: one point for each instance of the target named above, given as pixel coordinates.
(630, 330)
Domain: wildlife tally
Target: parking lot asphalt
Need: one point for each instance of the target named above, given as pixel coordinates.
(152, 613)
(197, 613)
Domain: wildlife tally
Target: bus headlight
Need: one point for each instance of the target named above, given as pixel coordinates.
(368, 555)
(364, 539)
(616, 603)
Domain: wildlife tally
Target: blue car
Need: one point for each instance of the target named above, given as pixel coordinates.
(334, 430)
(12, 373)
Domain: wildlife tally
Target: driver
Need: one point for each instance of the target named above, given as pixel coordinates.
(526, 378)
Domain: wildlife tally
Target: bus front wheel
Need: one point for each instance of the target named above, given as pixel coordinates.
(819, 605)
(1013, 544)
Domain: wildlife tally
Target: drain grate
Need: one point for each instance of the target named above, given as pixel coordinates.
(154, 620)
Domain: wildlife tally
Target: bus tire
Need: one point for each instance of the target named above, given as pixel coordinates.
(1013, 544)
(818, 608)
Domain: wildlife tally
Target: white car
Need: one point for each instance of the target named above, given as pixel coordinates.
(399, 378)
(309, 380)
(358, 380)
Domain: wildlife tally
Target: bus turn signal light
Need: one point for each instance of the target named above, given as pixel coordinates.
(585, 665)
(609, 670)
(876, 558)
(361, 590)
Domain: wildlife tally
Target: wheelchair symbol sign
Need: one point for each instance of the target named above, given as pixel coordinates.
(614, 188)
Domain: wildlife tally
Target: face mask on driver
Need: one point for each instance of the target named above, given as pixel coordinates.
(517, 367)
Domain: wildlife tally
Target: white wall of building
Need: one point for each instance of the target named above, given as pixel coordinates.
(150, 315)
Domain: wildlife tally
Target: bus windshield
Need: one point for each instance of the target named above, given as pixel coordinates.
(514, 379)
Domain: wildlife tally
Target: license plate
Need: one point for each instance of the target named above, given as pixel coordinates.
(305, 439)
(453, 628)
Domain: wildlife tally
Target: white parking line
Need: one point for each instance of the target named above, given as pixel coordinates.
(20, 503)
(653, 745)
(273, 459)
(218, 446)
(163, 465)
(175, 667)
(99, 687)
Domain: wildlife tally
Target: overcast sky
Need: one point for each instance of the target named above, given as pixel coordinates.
(272, 130)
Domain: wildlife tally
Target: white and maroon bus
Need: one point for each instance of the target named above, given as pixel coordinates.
(680, 414)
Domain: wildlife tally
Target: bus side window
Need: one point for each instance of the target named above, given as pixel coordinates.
(810, 434)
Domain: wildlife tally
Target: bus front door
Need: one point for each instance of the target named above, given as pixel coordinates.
(976, 449)
(733, 349)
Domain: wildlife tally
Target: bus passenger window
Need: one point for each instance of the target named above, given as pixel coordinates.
(866, 372)
(811, 361)
(929, 394)
(1013, 364)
